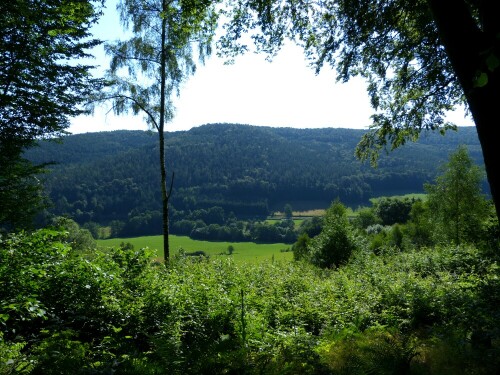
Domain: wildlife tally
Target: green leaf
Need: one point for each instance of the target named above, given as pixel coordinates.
(493, 62)
(481, 79)
(4, 317)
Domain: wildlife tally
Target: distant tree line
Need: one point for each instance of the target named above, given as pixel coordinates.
(455, 211)
(110, 179)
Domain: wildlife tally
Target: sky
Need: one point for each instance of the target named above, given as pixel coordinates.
(283, 93)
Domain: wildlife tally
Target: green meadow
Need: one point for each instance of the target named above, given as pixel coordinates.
(422, 196)
(243, 251)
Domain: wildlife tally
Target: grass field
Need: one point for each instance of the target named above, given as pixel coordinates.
(422, 196)
(244, 252)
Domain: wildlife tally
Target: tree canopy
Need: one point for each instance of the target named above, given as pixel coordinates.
(335, 244)
(419, 58)
(159, 57)
(41, 82)
(106, 176)
(456, 201)
(42, 85)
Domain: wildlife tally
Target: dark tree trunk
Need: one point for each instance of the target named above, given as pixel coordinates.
(484, 106)
(165, 194)
(468, 46)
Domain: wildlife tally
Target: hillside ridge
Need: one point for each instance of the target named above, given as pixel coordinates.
(246, 170)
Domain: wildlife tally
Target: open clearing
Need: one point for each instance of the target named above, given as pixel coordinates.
(243, 251)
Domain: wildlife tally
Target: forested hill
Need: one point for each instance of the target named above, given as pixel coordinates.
(247, 170)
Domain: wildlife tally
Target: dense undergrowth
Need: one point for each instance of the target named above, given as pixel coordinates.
(428, 311)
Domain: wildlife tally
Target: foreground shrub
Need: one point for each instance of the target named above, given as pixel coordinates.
(119, 312)
(378, 350)
(336, 242)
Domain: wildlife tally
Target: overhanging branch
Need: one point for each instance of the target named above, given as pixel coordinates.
(135, 101)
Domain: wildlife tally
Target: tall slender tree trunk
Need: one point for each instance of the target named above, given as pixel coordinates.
(468, 48)
(165, 194)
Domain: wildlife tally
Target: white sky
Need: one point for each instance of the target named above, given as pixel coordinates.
(253, 91)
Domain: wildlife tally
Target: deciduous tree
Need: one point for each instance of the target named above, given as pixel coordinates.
(335, 244)
(21, 194)
(457, 204)
(420, 58)
(393, 210)
(158, 58)
(42, 85)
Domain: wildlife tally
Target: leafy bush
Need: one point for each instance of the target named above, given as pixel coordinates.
(378, 350)
(393, 210)
(375, 229)
(366, 217)
(300, 248)
(12, 360)
(426, 311)
(336, 242)
(311, 226)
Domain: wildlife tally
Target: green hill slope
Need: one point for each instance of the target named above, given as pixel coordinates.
(247, 170)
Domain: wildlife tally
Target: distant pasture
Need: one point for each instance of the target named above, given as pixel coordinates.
(244, 252)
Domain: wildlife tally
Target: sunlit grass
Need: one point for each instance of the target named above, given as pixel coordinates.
(422, 196)
(244, 252)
